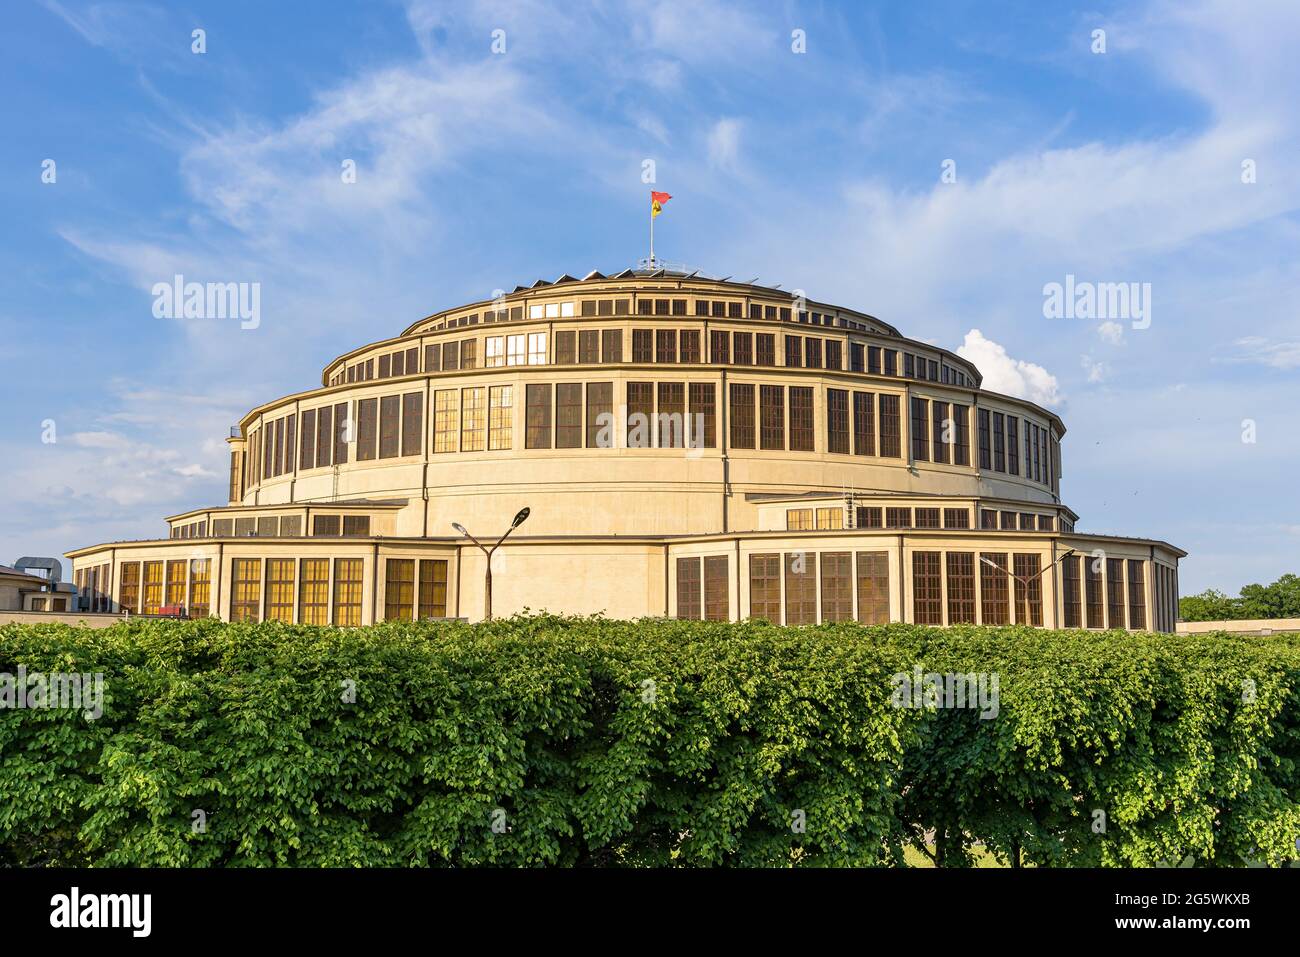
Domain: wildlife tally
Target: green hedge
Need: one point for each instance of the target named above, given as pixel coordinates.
(552, 741)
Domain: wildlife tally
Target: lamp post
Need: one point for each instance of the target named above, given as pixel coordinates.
(518, 520)
(1024, 580)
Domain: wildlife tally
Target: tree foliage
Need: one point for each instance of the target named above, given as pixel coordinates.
(589, 742)
(1278, 600)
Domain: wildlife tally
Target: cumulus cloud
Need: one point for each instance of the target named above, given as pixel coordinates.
(1112, 332)
(1002, 373)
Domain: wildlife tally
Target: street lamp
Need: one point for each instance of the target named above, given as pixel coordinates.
(518, 520)
(1024, 580)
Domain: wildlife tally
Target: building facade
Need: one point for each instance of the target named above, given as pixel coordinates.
(686, 447)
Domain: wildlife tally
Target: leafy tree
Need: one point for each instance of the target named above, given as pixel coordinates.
(1278, 600)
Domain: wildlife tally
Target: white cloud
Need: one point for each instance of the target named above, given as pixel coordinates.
(99, 440)
(1096, 371)
(724, 144)
(1112, 332)
(1002, 373)
(1276, 353)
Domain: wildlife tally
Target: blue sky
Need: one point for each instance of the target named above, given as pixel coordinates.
(817, 170)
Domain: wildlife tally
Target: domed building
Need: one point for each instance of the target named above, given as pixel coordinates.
(683, 446)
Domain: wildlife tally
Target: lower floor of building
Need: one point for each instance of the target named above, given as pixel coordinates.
(946, 577)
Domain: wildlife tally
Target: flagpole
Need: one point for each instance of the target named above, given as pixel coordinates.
(652, 235)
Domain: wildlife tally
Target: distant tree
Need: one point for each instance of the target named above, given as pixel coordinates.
(1278, 600)
(1209, 605)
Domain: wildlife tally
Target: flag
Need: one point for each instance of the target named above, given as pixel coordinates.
(657, 201)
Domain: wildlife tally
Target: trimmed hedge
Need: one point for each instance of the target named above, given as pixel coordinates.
(588, 742)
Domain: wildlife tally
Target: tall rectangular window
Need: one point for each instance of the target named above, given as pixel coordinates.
(812, 352)
(279, 589)
(961, 588)
(324, 436)
(433, 357)
(1013, 445)
(537, 348)
(565, 351)
(153, 588)
(794, 351)
(600, 415)
(128, 587)
(765, 349)
(961, 435)
(689, 343)
(994, 591)
(834, 354)
(472, 420)
(891, 436)
(589, 346)
(313, 591)
(1029, 589)
(864, 424)
(716, 589)
(516, 350)
(1115, 592)
(999, 443)
(941, 432)
(688, 588)
(742, 416)
(200, 587)
(743, 347)
(920, 430)
(568, 415)
(873, 588)
(611, 345)
(367, 429)
(837, 421)
(537, 412)
(771, 413)
(445, 425)
(642, 345)
(986, 454)
(640, 415)
(671, 424)
(245, 589)
(390, 415)
(413, 423)
(1070, 586)
(703, 422)
(347, 591)
(307, 441)
(802, 431)
(719, 351)
(927, 589)
(765, 587)
(837, 586)
(1093, 583)
(801, 588)
(501, 416)
(176, 582)
(433, 588)
(665, 345)
(1137, 598)
(399, 589)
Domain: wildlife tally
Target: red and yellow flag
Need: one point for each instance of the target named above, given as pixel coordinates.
(657, 201)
